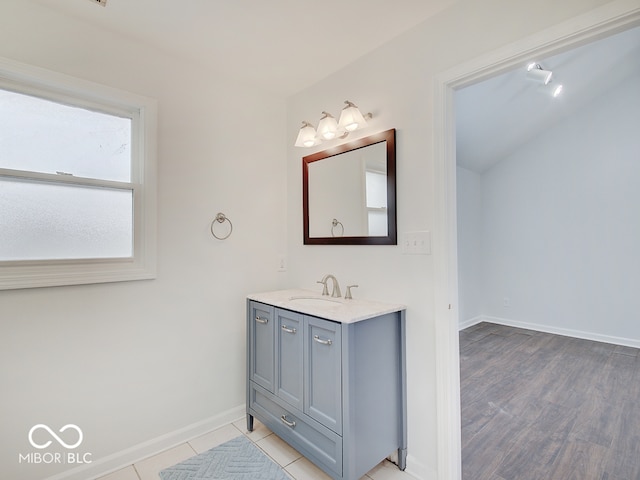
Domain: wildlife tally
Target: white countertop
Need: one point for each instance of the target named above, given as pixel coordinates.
(338, 309)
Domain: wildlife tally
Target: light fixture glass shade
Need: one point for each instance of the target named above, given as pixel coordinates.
(328, 126)
(306, 136)
(350, 118)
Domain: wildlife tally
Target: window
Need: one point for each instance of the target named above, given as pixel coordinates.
(376, 192)
(77, 181)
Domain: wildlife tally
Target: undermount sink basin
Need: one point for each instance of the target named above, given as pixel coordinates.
(315, 301)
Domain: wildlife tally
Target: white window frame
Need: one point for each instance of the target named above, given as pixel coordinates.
(143, 112)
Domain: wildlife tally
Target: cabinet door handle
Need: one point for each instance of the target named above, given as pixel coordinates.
(316, 338)
(264, 321)
(288, 330)
(287, 422)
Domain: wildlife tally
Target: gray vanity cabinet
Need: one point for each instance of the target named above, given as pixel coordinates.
(334, 391)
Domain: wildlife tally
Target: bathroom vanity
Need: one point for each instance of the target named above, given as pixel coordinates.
(328, 376)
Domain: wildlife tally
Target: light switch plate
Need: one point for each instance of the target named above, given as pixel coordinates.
(416, 243)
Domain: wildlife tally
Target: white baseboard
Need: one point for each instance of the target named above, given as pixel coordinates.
(471, 322)
(111, 463)
(419, 471)
(538, 327)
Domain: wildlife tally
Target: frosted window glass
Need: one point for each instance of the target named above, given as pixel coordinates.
(41, 220)
(39, 135)
(376, 190)
(378, 223)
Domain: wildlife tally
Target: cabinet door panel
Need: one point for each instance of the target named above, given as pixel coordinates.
(323, 392)
(262, 345)
(289, 371)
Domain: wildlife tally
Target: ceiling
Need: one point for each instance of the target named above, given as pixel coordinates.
(496, 116)
(282, 46)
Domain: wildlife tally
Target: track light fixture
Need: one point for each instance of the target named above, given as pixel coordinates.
(539, 74)
(351, 119)
(536, 72)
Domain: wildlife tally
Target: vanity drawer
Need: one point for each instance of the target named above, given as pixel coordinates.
(317, 443)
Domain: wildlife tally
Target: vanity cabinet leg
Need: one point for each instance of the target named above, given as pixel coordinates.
(402, 458)
(249, 423)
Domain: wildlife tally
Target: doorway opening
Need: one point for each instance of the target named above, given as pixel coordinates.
(599, 23)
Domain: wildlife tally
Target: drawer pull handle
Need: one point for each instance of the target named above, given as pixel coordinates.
(264, 321)
(288, 330)
(328, 341)
(287, 422)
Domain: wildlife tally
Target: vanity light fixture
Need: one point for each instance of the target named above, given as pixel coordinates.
(328, 128)
(306, 136)
(351, 119)
(536, 72)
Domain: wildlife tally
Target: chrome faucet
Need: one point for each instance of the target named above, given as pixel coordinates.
(335, 292)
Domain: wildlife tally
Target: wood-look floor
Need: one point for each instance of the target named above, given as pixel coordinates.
(537, 406)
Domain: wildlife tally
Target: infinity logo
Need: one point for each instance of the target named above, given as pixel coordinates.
(53, 434)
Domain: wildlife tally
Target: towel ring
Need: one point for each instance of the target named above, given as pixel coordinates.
(221, 218)
(334, 224)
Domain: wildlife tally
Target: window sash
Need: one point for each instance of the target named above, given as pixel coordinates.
(68, 136)
(66, 220)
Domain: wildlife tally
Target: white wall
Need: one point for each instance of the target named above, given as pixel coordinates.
(561, 231)
(130, 362)
(396, 83)
(470, 281)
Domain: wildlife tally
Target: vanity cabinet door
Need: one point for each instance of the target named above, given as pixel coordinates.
(323, 365)
(289, 371)
(261, 327)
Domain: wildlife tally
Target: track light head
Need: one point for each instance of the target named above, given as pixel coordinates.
(536, 72)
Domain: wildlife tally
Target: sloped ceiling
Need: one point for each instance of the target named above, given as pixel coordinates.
(283, 46)
(496, 116)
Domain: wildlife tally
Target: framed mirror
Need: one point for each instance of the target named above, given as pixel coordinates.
(349, 193)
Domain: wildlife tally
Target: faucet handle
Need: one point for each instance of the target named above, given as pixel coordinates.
(324, 288)
(347, 295)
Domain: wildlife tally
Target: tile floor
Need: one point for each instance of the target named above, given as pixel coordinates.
(298, 467)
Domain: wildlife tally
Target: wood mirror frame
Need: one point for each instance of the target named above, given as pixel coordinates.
(391, 237)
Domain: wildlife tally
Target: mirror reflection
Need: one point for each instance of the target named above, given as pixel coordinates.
(360, 210)
(349, 192)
